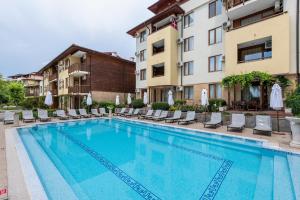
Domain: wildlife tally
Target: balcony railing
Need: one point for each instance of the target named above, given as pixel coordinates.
(79, 89)
(233, 3)
(54, 91)
(32, 93)
(53, 77)
(78, 67)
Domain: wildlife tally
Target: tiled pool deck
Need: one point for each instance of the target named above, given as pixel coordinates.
(276, 140)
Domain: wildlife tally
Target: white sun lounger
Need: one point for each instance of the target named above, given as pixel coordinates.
(162, 116)
(238, 121)
(43, 115)
(176, 117)
(72, 113)
(103, 112)
(28, 116)
(135, 113)
(156, 114)
(61, 114)
(148, 114)
(215, 120)
(263, 124)
(9, 117)
(95, 113)
(190, 117)
(83, 113)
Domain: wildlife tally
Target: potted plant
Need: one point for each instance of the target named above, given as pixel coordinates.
(110, 108)
(293, 102)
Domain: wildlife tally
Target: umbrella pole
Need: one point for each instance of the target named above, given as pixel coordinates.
(277, 121)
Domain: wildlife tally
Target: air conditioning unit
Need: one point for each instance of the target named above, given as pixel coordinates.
(84, 78)
(137, 54)
(180, 41)
(179, 88)
(226, 25)
(268, 44)
(223, 58)
(180, 64)
(137, 90)
(137, 72)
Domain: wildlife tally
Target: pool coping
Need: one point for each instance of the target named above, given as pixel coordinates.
(32, 181)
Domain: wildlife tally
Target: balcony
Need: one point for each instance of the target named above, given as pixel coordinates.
(246, 49)
(162, 52)
(240, 8)
(54, 92)
(78, 70)
(79, 89)
(53, 77)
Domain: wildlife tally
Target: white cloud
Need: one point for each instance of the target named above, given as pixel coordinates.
(33, 31)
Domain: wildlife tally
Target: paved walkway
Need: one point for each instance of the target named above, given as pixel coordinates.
(3, 175)
(281, 140)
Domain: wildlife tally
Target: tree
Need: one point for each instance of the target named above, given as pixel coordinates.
(16, 92)
(4, 97)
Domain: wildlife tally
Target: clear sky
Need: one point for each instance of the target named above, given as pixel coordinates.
(33, 32)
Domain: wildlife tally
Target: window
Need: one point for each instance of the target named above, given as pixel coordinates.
(255, 50)
(215, 36)
(215, 91)
(143, 55)
(67, 82)
(143, 36)
(143, 74)
(189, 92)
(158, 47)
(67, 63)
(188, 68)
(188, 20)
(215, 63)
(158, 70)
(215, 8)
(189, 44)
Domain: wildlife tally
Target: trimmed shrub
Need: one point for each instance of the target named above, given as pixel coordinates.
(179, 102)
(293, 101)
(214, 104)
(106, 104)
(138, 103)
(160, 106)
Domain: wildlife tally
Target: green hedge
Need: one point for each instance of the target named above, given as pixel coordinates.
(293, 101)
(179, 102)
(214, 104)
(138, 103)
(160, 106)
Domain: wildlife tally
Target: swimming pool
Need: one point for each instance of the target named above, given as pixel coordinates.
(120, 159)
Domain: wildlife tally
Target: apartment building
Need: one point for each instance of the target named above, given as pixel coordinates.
(31, 83)
(190, 45)
(78, 70)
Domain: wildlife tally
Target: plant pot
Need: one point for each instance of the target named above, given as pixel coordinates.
(295, 127)
(110, 113)
(222, 109)
(288, 110)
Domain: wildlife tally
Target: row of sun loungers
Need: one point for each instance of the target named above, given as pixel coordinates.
(61, 114)
(238, 121)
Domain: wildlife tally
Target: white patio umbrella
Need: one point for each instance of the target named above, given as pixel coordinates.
(276, 101)
(117, 100)
(170, 98)
(204, 101)
(48, 99)
(89, 100)
(145, 99)
(129, 99)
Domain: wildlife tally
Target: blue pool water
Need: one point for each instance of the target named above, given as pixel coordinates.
(119, 159)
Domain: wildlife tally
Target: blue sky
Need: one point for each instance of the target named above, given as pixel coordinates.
(33, 32)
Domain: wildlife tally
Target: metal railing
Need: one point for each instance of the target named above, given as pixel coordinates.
(53, 76)
(79, 89)
(78, 67)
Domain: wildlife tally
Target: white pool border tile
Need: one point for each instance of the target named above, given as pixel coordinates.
(34, 185)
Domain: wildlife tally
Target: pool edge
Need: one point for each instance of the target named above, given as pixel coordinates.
(23, 181)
